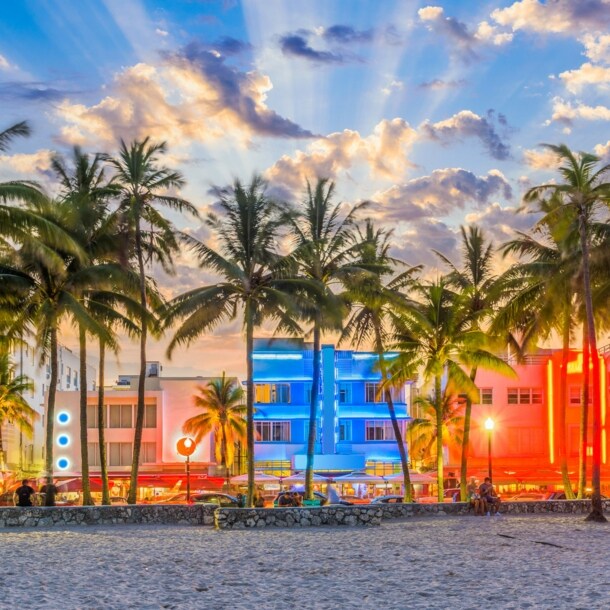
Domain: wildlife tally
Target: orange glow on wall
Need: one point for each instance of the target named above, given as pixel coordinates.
(550, 406)
(575, 366)
(604, 401)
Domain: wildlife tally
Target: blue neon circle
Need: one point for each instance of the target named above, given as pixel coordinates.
(63, 417)
(63, 440)
(63, 463)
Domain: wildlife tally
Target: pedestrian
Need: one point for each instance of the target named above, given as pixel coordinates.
(489, 497)
(24, 494)
(50, 491)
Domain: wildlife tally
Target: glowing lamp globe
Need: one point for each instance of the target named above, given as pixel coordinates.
(186, 446)
(489, 424)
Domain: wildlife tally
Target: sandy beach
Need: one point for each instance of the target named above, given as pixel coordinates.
(503, 562)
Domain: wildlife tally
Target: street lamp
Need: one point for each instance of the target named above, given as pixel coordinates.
(186, 447)
(489, 426)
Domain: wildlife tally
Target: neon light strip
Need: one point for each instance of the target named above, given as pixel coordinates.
(604, 401)
(549, 373)
(277, 356)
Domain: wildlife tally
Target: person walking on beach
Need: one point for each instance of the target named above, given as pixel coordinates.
(49, 491)
(24, 494)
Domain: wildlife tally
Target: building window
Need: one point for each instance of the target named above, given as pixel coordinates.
(575, 397)
(92, 419)
(381, 430)
(69, 376)
(345, 430)
(524, 396)
(120, 416)
(75, 379)
(148, 453)
(150, 416)
(371, 392)
(120, 454)
(486, 396)
(345, 393)
(93, 454)
(272, 431)
(272, 393)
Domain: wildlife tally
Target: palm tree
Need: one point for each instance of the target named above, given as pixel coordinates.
(13, 406)
(255, 281)
(480, 289)
(582, 194)
(86, 190)
(438, 333)
(144, 184)
(376, 299)
(222, 401)
(324, 254)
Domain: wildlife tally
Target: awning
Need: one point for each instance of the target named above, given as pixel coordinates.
(299, 477)
(416, 478)
(259, 477)
(359, 477)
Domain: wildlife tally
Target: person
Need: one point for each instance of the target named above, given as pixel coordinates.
(333, 496)
(241, 500)
(259, 501)
(473, 496)
(297, 499)
(285, 499)
(50, 491)
(490, 497)
(24, 494)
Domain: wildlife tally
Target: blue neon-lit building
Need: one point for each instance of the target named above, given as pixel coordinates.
(354, 430)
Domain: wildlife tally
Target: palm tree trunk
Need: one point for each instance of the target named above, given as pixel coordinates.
(313, 410)
(225, 460)
(466, 442)
(84, 453)
(250, 401)
(597, 511)
(563, 401)
(2, 458)
(438, 404)
(48, 463)
(137, 440)
(101, 423)
(584, 416)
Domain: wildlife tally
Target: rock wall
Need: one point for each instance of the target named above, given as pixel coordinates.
(243, 518)
(61, 516)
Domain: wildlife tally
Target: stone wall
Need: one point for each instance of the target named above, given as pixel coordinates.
(242, 518)
(61, 516)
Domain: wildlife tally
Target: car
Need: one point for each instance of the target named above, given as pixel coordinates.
(319, 498)
(389, 499)
(177, 498)
(212, 497)
(449, 495)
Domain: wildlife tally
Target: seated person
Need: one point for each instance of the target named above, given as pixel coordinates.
(472, 495)
(489, 495)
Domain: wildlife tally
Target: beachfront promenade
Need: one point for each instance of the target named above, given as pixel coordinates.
(533, 561)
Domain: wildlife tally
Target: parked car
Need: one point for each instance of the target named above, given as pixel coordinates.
(449, 495)
(177, 498)
(389, 499)
(319, 499)
(212, 497)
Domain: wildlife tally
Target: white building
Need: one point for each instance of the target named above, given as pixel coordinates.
(23, 453)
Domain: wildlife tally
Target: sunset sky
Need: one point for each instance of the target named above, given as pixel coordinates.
(433, 112)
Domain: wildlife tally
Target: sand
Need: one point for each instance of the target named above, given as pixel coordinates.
(471, 562)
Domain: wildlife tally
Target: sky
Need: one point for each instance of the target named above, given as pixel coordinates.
(433, 112)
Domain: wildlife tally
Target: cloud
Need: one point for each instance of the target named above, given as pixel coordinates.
(588, 74)
(464, 42)
(191, 95)
(438, 84)
(345, 34)
(384, 150)
(4, 65)
(468, 124)
(160, 32)
(597, 47)
(31, 91)
(297, 45)
(603, 150)
(38, 162)
(440, 194)
(228, 45)
(554, 17)
(540, 159)
(392, 86)
(566, 112)
(502, 222)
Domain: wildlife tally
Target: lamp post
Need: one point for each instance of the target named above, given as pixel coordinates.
(489, 426)
(186, 447)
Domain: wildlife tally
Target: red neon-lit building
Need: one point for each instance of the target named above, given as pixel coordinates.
(526, 441)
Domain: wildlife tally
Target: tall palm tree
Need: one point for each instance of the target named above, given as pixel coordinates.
(144, 186)
(255, 281)
(324, 254)
(376, 297)
(438, 333)
(14, 408)
(87, 192)
(224, 415)
(480, 289)
(583, 193)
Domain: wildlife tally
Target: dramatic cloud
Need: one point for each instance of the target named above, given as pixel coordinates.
(587, 75)
(31, 91)
(296, 45)
(566, 112)
(28, 164)
(230, 46)
(554, 16)
(541, 159)
(193, 95)
(603, 151)
(345, 34)
(468, 124)
(385, 151)
(463, 41)
(597, 48)
(440, 194)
